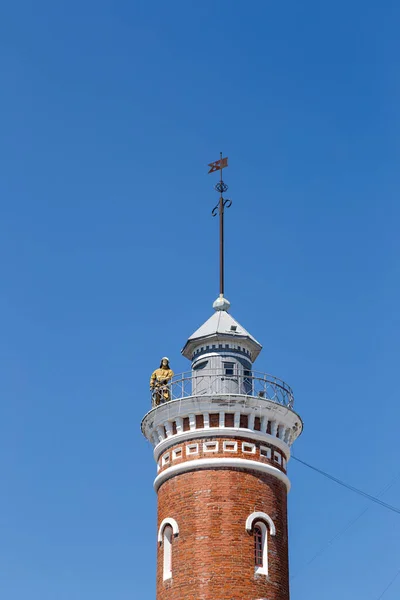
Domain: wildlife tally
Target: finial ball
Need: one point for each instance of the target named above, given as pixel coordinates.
(221, 303)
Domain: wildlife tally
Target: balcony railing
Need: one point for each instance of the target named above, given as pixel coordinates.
(208, 382)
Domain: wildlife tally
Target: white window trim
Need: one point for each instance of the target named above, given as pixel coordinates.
(174, 453)
(210, 446)
(227, 443)
(267, 452)
(165, 459)
(165, 539)
(277, 458)
(248, 448)
(192, 449)
(261, 519)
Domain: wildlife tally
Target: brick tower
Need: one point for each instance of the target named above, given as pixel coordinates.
(222, 434)
(222, 442)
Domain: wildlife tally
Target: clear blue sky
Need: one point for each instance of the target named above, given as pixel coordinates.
(109, 113)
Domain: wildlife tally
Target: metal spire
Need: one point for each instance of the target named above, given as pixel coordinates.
(223, 203)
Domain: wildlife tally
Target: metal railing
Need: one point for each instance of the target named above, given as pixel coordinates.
(215, 382)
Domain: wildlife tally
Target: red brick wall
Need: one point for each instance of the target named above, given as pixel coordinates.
(213, 555)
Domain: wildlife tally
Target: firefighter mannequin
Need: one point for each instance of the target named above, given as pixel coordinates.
(159, 382)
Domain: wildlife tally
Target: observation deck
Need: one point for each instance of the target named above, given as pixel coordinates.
(217, 402)
(217, 382)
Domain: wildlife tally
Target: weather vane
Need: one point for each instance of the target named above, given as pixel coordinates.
(223, 203)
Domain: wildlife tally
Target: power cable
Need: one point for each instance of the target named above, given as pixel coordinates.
(346, 527)
(390, 585)
(353, 521)
(349, 487)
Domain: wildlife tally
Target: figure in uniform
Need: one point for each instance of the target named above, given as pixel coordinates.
(159, 382)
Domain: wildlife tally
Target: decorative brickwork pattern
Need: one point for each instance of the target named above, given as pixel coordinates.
(196, 449)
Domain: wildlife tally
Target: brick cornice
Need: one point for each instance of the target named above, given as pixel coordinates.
(235, 433)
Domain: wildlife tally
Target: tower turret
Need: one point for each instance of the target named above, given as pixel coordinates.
(221, 346)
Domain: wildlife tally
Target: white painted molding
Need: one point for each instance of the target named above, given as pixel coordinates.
(192, 449)
(221, 463)
(168, 521)
(230, 446)
(168, 428)
(260, 516)
(266, 438)
(266, 452)
(251, 419)
(177, 453)
(192, 421)
(248, 448)
(246, 405)
(210, 446)
(264, 421)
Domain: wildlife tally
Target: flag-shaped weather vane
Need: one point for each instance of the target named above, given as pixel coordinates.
(223, 203)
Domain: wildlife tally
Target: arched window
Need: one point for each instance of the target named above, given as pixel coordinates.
(167, 543)
(258, 524)
(201, 365)
(258, 546)
(166, 533)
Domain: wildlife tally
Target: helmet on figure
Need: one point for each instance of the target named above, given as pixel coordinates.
(164, 359)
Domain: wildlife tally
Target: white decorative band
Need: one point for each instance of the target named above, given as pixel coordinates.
(220, 463)
(227, 432)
